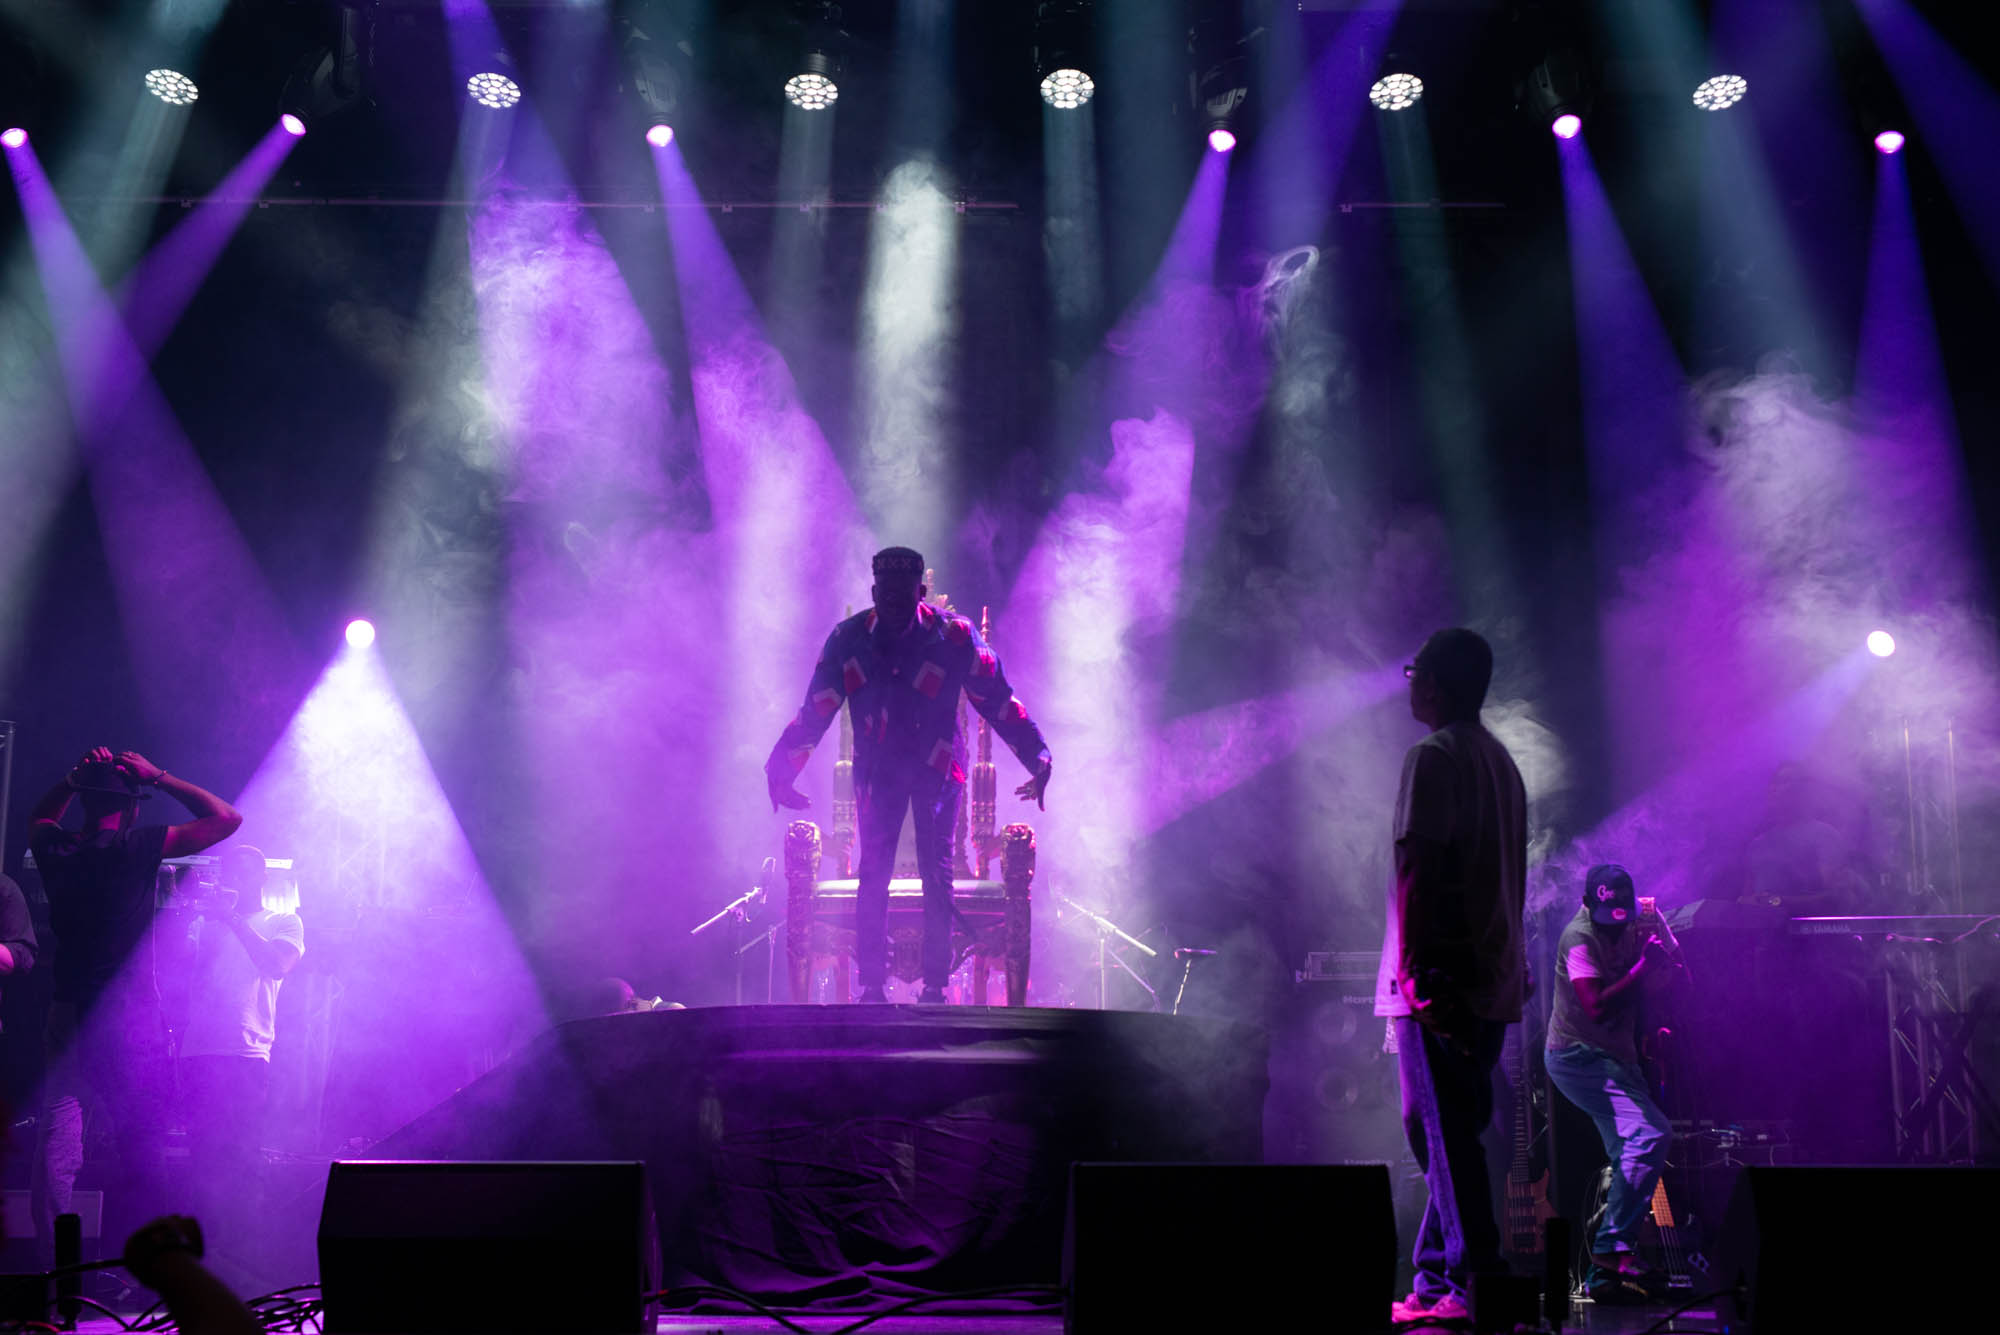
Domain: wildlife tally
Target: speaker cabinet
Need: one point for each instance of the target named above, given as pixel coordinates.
(508, 1247)
(1825, 1249)
(1192, 1247)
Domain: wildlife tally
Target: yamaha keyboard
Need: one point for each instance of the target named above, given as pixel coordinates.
(1939, 927)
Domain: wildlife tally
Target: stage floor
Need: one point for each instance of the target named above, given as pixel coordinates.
(1606, 1321)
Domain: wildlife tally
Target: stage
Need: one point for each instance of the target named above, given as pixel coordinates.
(853, 1156)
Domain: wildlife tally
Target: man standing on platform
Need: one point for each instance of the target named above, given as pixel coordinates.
(107, 1034)
(900, 668)
(1454, 973)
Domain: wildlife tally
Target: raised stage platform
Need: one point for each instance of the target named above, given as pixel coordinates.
(820, 1156)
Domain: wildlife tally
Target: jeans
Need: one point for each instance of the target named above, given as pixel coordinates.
(114, 1056)
(879, 804)
(1632, 1127)
(1447, 1102)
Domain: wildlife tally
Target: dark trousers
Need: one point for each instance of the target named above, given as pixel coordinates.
(224, 1098)
(1447, 1103)
(111, 1059)
(879, 804)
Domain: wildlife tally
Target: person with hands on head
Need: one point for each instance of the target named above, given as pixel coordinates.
(1609, 957)
(900, 667)
(106, 1031)
(1453, 972)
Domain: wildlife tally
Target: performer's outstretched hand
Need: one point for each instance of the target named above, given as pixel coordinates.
(1035, 787)
(785, 795)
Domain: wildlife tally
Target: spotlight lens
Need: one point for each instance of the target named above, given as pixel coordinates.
(172, 87)
(293, 125)
(14, 137)
(1889, 141)
(811, 92)
(1881, 643)
(360, 633)
(660, 136)
(1067, 88)
(1567, 126)
(1724, 90)
(1221, 140)
(1396, 92)
(493, 90)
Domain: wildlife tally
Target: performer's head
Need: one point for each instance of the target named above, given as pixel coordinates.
(1608, 894)
(243, 869)
(899, 586)
(1449, 677)
(109, 795)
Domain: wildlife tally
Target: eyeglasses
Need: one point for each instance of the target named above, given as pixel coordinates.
(1409, 671)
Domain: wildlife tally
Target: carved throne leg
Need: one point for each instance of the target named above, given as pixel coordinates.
(1017, 870)
(802, 850)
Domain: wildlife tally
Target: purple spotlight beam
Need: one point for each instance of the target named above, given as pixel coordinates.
(166, 280)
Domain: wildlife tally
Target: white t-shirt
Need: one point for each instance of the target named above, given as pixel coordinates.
(234, 1008)
(1462, 792)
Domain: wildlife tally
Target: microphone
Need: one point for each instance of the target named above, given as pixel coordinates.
(1190, 953)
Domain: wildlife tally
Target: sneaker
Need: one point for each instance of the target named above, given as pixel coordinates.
(931, 996)
(873, 996)
(1618, 1287)
(1415, 1308)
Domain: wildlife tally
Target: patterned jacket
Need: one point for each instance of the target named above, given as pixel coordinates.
(904, 699)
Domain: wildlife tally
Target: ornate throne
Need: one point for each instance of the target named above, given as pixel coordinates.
(819, 914)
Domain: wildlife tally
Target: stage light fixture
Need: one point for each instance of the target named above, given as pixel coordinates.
(172, 87)
(1724, 90)
(811, 92)
(1219, 75)
(1889, 141)
(1881, 643)
(493, 90)
(1067, 89)
(1556, 92)
(1396, 92)
(1064, 53)
(293, 125)
(660, 136)
(14, 137)
(360, 633)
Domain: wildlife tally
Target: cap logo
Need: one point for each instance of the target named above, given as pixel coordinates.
(1603, 894)
(1618, 915)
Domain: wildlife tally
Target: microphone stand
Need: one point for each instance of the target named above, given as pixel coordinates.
(1187, 956)
(737, 913)
(1106, 929)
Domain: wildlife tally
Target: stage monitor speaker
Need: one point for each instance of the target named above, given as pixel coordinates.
(435, 1248)
(1187, 1247)
(1861, 1249)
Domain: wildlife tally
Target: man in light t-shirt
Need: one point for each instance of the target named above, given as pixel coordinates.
(1454, 968)
(242, 953)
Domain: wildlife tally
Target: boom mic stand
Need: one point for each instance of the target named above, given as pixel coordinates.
(1106, 957)
(737, 913)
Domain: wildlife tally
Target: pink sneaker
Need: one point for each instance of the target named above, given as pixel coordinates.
(1414, 1308)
